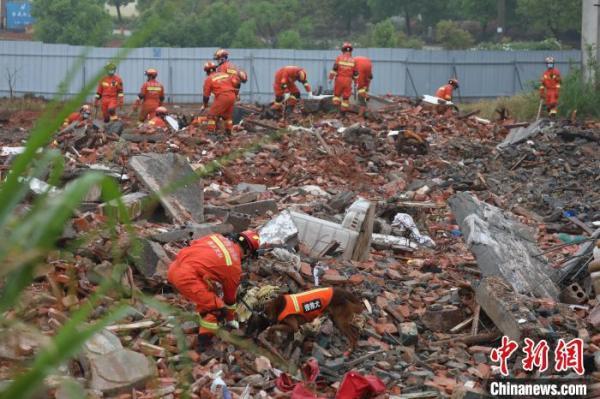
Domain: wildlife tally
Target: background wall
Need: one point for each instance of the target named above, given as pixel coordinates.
(38, 68)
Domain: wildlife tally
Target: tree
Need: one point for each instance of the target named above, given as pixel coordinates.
(452, 37)
(246, 36)
(383, 9)
(118, 4)
(79, 22)
(551, 16)
(349, 11)
(384, 35)
(289, 39)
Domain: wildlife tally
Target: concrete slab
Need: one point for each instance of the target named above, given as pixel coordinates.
(503, 246)
(184, 203)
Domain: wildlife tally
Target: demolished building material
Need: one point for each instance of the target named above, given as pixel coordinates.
(503, 246)
(159, 172)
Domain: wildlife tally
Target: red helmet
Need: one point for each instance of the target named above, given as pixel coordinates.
(161, 111)
(302, 75)
(252, 238)
(221, 54)
(210, 66)
(151, 72)
(453, 82)
(347, 46)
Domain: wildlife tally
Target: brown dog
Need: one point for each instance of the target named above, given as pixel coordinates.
(288, 312)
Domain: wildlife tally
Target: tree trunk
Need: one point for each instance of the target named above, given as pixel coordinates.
(119, 17)
(407, 18)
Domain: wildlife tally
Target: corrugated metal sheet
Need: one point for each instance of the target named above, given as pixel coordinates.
(41, 67)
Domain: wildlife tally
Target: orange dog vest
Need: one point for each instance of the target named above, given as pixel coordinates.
(309, 304)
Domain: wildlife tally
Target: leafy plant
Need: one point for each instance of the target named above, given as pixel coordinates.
(30, 233)
(450, 35)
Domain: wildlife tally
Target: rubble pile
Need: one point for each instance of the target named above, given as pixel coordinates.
(447, 233)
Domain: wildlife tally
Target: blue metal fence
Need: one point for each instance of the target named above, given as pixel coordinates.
(38, 68)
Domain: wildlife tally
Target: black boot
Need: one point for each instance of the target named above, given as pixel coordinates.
(203, 344)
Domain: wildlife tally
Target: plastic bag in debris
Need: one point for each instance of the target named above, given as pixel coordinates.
(405, 222)
(278, 230)
(310, 372)
(355, 386)
(219, 385)
(318, 271)
(256, 297)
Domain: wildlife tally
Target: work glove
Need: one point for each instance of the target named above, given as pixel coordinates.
(232, 324)
(283, 86)
(307, 87)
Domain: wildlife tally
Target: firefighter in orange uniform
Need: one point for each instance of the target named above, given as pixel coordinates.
(550, 87)
(285, 82)
(82, 115)
(445, 92)
(365, 76)
(110, 91)
(224, 65)
(209, 260)
(225, 88)
(344, 72)
(152, 95)
(158, 121)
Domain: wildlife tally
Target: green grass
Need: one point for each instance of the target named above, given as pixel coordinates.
(522, 107)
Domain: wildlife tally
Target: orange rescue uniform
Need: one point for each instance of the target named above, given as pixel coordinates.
(152, 95)
(211, 259)
(73, 117)
(445, 92)
(345, 72)
(309, 304)
(550, 89)
(364, 67)
(157, 122)
(110, 92)
(231, 69)
(225, 88)
(285, 82)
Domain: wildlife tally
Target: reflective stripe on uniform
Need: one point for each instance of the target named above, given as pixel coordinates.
(294, 299)
(232, 71)
(223, 249)
(363, 90)
(231, 307)
(220, 77)
(212, 122)
(154, 88)
(345, 104)
(121, 95)
(208, 325)
(346, 63)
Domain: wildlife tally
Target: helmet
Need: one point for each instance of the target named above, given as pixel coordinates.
(209, 66)
(221, 54)
(151, 72)
(347, 46)
(110, 68)
(251, 238)
(302, 75)
(453, 82)
(85, 108)
(161, 111)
